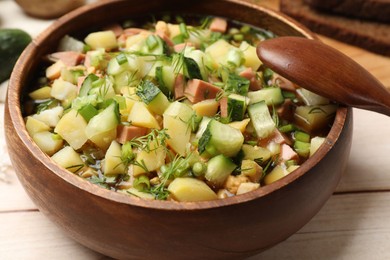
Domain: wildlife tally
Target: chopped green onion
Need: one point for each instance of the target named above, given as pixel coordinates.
(183, 30)
(238, 37)
(121, 58)
(141, 183)
(245, 29)
(88, 111)
(302, 136)
(302, 148)
(287, 128)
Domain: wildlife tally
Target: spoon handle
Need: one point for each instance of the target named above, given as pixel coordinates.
(326, 71)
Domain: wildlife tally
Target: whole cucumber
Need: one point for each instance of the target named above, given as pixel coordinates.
(12, 44)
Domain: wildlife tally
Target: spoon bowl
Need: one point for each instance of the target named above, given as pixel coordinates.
(325, 71)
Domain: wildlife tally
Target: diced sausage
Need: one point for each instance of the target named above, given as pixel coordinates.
(254, 84)
(284, 83)
(116, 28)
(287, 153)
(179, 86)
(198, 90)
(181, 46)
(128, 132)
(69, 58)
(276, 137)
(218, 25)
(223, 107)
(165, 37)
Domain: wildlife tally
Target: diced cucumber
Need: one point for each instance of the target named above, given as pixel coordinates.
(236, 106)
(123, 62)
(155, 45)
(271, 96)
(104, 122)
(310, 98)
(166, 79)
(218, 170)
(202, 127)
(87, 84)
(191, 69)
(199, 57)
(219, 138)
(152, 96)
(261, 119)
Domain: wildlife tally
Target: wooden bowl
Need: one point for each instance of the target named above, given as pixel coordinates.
(127, 227)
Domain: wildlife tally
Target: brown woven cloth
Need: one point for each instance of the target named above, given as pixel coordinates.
(370, 35)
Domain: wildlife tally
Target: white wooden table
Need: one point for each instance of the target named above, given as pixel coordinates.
(354, 223)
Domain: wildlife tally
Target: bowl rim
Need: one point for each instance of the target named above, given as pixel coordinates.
(13, 105)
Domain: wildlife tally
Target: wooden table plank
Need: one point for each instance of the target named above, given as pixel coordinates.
(349, 226)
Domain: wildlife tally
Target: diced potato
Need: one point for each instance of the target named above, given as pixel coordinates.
(151, 160)
(141, 116)
(207, 107)
(63, 90)
(68, 159)
(104, 139)
(50, 116)
(173, 29)
(54, 70)
(102, 39)
(34, 126)
(218, 52)
(190, 189)
(112, 163)
(255, 152)
(176, 121)
(251, 170)
(240, 125)
(277, 173)
(313, 118)
(71, 128)
(41, 93)
(247, 187)
(315, 143)
(250, 56)
(48, 142)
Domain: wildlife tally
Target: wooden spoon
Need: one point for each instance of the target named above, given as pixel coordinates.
(325, 71)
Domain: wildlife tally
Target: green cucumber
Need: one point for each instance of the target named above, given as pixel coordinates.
(105, 121)
(12, 44)
(155, 45)
(219, 138)
(218, 170)
(165, 77)
(152, 96)
(236, 106)
(271, 96)
(87, 84)
(261, 119)
(191, 69)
